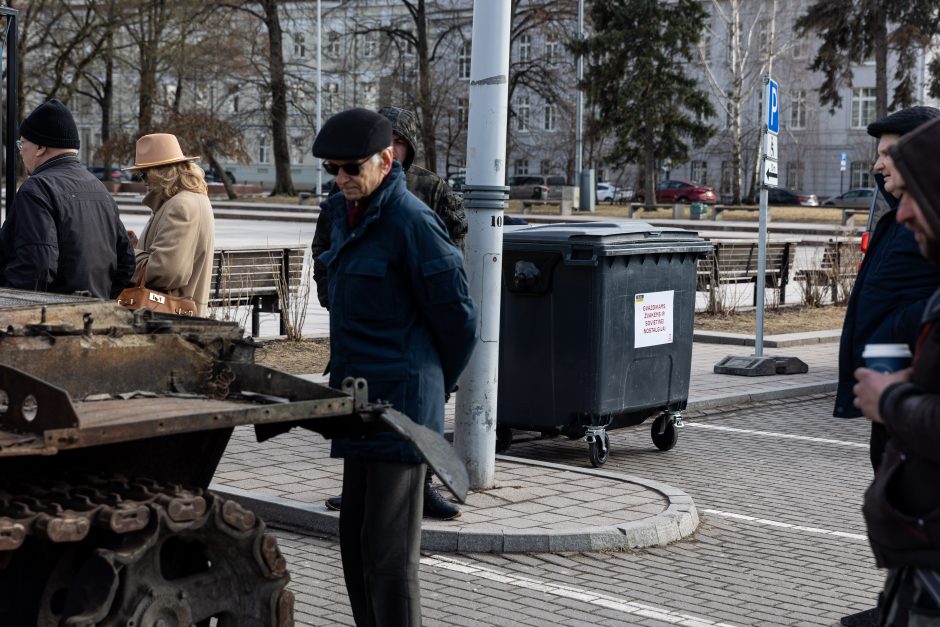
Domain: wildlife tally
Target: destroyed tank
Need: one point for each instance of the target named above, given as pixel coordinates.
(112, 424)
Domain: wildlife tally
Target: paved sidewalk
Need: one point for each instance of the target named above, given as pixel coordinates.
(535, 506)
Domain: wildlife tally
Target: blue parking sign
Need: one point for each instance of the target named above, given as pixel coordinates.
(773, 110)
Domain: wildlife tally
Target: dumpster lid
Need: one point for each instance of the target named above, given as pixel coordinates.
(609, 237)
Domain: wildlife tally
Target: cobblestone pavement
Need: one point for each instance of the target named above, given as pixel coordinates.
(778, 487)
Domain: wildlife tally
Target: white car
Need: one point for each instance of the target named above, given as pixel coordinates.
(605, 192)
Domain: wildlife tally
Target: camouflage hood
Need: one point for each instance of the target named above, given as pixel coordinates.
(915, 158)
(404, 124)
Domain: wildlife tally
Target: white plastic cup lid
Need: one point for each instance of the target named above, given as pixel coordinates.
(886, 350)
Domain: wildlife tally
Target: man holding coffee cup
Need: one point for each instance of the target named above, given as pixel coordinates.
(902, 506)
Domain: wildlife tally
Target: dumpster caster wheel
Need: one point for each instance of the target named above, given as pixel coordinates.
(503, 439)
(664, 432)
(599, 449)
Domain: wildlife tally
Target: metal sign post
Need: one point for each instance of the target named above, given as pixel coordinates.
(758, 364)
(12, 113)
(841, 170)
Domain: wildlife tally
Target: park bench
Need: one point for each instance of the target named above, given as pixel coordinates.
(716, 210)
(736, 262)
(837, 269)
(256, 277)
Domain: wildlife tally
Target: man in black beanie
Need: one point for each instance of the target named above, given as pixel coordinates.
(63, 233)
(890, 291)
(401, 317)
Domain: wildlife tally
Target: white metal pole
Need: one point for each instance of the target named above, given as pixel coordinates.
(485, 201)
(319, 163)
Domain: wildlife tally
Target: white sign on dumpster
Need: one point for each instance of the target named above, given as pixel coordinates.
(652, 315)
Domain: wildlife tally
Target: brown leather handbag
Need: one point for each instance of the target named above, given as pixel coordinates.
(142, 297)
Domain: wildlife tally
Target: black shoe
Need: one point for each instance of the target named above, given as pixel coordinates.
(334, 503)
(867, 618)
(436, 506)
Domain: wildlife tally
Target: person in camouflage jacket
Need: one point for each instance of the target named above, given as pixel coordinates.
(431, 189)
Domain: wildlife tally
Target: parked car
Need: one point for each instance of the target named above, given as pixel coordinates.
(622, 194)
(117, 176)
(784, 196)
(674, 191)
(860, 197)
(536, 186)
(604, 192)
(457, 183)
(213, 177)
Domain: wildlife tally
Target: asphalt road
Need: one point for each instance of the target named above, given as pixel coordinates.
(782, 541)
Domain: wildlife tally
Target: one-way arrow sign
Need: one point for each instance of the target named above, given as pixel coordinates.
(770, 172)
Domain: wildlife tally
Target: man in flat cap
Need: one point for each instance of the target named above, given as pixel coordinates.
(401, 317)
(902, 503)
(63, 233)
(891, 290)
(436, 194)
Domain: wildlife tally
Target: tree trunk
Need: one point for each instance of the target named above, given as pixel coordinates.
(650, 179)
(283, 184)
(424, 88)
(217, 167)
(881, 65)
(107, 100)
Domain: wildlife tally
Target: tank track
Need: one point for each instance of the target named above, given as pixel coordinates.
(107, 550)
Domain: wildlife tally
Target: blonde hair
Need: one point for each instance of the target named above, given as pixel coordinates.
(174, 178)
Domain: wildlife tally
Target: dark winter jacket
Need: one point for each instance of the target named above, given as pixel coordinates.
(64, 234)
(887, 301)
(902, 506)
(429, 188)
(401, 314)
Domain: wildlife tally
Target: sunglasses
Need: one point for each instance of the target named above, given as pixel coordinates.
(351, 169)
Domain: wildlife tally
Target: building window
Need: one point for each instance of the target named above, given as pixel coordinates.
(699, 172)
(727, 176)
(800, 48)
(863, 106)
(332, 44)
(706, 46)
(520, 166)
(235, 103)
(551, 117)
(545, 166)
(463, 110)
(331, 101)
(300, 46)
(798, 109)
(525, 48)
(795, 174)
(522, 114)
(368, 45)
(463, 61)
(263, 155)
(368, 96)
(861, 174)
(552, 48)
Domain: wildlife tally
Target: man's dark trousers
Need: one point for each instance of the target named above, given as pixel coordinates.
(380, 540)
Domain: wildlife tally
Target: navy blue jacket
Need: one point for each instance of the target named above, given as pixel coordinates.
(887, 300)
(400, 311)
(64, 234)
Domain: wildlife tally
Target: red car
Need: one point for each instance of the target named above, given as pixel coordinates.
(681, 191)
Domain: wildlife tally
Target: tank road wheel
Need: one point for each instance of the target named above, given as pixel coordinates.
(213, 561)
(664, 433)
(599, 448)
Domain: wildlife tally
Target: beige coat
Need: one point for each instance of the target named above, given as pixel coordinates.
(177, 245)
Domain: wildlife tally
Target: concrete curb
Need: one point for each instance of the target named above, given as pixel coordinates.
(725, 400)
(678, 520)
(781, 340)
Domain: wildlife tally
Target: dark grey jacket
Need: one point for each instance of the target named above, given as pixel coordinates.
(64, 234)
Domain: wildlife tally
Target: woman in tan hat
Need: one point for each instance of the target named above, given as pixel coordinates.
(174, 252)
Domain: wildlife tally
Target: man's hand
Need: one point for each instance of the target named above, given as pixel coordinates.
(133, 237)
(871, 384)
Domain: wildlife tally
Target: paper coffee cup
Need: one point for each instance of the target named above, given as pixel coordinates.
(887, 357)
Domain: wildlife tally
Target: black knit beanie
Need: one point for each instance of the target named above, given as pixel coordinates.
(903, 122)
(353, 134)
(51, 124)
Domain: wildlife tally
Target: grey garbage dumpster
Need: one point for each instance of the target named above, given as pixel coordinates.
(596, 330)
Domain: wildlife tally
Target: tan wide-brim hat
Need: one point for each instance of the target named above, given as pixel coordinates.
(158, 149)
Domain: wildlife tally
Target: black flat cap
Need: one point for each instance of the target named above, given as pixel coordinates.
(903, 121)
(353, 134)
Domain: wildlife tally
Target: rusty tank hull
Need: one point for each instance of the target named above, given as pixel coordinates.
(112, 424)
